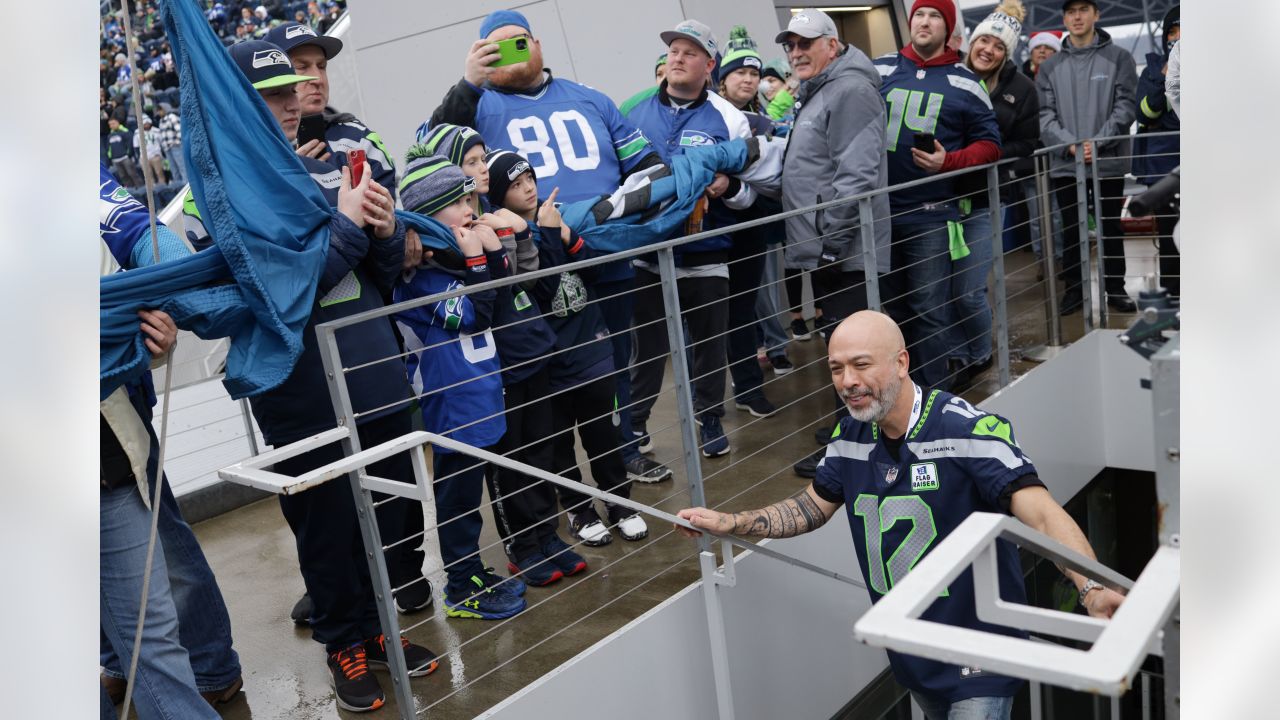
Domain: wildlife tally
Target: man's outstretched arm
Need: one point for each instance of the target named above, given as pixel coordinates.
(801, 513)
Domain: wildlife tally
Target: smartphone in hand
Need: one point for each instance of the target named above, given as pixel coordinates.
(924, 143)
(356, 161)
(511, 51)
(311, 127)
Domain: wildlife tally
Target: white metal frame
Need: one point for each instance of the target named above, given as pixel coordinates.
(1119, 644)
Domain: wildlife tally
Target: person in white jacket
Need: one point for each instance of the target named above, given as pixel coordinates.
(1173, 79)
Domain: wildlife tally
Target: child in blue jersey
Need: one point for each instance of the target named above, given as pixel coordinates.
(455, 372)
(524, 508)
(582, 384)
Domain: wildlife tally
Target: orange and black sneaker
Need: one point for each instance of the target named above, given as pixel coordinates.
(356, 688)
(420, 660)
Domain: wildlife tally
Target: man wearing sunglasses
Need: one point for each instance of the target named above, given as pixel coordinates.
(836, 149)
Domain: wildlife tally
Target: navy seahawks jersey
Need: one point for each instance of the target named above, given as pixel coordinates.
(954, 460)
(947, 101)
(453, 359)
(572, 135)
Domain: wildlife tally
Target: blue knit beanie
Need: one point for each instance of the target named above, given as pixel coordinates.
(431, 183)
(502, 18)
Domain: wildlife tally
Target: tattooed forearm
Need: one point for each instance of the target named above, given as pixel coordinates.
(796, 515)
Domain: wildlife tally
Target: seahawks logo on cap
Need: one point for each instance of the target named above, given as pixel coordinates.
(800, 18)
(517, 169)
(751, 62)
(263, 58)
(297, 30)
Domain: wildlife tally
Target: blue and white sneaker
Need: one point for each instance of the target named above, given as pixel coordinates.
(711, 437)
(482, 602)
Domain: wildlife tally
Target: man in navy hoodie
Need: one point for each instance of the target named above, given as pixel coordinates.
(928, 92)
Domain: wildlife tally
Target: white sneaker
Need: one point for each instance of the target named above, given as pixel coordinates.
(633, 527)
(590, 530)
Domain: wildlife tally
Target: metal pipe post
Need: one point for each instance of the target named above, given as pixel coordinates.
(866, 230)
(331, 357)
(247, 417)
(997, 265)
(1097, 221)
(693, 470)
(1048, 248)
(1082, 216)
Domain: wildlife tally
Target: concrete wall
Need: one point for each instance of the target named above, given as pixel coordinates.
(408, 53)
(791, 647)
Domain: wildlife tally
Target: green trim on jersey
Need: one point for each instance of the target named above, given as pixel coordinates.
(630, 103)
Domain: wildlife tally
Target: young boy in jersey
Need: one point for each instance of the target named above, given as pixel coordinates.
(524, 508)
(455, 372)
(463, 147)
(582, 386)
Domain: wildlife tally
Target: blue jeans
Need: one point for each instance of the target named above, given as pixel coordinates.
(771, 328)
(919, 290)
(165, 686)
(979, 708)
(204, 626)
(971, 313)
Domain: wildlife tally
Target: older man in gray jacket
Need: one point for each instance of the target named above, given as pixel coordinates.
(836, 149)
(1087, 91)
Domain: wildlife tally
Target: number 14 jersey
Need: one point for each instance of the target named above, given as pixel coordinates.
(953, 461)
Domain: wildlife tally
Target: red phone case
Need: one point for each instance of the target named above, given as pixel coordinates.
(356, 159)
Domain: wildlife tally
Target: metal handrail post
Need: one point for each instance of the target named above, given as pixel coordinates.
(1082, 225)
(331, 358)
(247, 417)
(867, 232)
(997, 265)
(1097, 218)
(693, 471)
(1048, 246)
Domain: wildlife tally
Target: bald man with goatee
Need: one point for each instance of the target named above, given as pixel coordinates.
(909, 467)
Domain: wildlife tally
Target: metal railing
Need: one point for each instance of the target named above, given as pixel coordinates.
(699, 363)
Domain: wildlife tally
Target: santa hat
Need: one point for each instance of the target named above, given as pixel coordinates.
(1005, 25)
(1052, 38)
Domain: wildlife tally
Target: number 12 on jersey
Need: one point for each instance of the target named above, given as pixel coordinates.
(878, 517)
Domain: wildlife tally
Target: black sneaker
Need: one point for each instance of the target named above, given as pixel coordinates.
(644, 470)
(1072, 301)
(781, 365)
(356, 688)
(419, 659)
(808, 467)
(800, 330)
(413, 598)
(587, 527)
(758, 406)
(302, 610)
(1122, 304)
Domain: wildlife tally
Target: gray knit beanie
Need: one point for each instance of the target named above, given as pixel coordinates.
(431, 182)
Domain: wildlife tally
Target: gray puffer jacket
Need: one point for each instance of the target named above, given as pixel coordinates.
(836, 149)
(1088, 92)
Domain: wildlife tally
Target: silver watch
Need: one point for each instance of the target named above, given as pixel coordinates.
(1089, 586)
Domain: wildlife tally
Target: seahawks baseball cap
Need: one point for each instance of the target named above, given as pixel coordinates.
(695, 31)
(265, 65)
(809, 23)
(291, 34)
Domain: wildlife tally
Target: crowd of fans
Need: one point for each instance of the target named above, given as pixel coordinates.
(232, 21)
(492, 370)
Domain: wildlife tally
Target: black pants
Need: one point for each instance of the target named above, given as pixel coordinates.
(1170, 262)
(706, 315)
(746, 267)
(843, 294)
(589, 407)
(1111, 232)
(525, 507)
(794, 281)
(331, 552)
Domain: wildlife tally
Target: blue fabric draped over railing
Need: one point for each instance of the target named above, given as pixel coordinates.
(268, 220)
